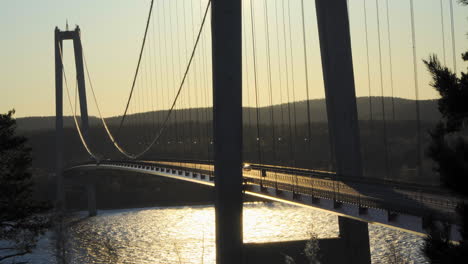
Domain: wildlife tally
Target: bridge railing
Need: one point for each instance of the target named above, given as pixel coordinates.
(307, 183)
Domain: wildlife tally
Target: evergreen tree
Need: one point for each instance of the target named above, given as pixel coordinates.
(449, 150)
(22, 219)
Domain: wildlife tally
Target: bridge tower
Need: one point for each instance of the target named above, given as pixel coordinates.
(60, 36)
(226, 29)
(340, 94)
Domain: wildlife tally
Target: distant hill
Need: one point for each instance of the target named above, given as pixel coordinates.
(405, 109)
(139, 131)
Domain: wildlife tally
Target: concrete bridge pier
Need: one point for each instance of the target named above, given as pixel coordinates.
(340, 94)
(354, 236)
(91, 194)
(351, 247)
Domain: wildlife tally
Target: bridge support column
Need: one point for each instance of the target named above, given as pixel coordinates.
(226, 28)
(337, 66)
(59, 37)
(74, 35)
(60, 195)
(355, 240)
(91, 193)
(78, 49)
(338, 76)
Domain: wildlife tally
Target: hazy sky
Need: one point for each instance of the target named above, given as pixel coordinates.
(112, 31)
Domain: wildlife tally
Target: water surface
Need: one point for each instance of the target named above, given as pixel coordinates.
(186, 234)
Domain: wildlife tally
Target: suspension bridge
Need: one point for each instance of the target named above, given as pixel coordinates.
(235, 107)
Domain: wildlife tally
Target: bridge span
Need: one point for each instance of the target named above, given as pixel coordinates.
(197, 111)
(402, 206)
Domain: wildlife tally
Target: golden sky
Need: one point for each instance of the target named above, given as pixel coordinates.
(112, 32)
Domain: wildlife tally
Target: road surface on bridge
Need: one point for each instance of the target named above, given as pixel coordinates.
(408, 197)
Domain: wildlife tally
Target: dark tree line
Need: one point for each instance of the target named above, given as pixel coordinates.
(22, 219)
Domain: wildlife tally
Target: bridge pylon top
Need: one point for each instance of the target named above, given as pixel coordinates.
(67, 34)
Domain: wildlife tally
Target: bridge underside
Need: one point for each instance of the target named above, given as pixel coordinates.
(349, 201)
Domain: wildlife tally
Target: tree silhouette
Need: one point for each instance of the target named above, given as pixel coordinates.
(22, 219)
(449, 150)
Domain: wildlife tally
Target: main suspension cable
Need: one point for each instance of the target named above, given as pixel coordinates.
(165, 122)
(137, 68)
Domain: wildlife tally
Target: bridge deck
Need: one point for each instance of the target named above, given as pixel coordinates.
(399, 206)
